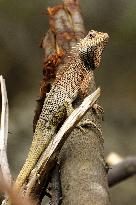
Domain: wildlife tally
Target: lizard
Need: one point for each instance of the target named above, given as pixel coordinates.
(72, 81)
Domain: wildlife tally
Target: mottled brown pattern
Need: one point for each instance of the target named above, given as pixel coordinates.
(75, 78)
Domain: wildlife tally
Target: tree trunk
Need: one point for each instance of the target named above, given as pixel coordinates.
(82, 165)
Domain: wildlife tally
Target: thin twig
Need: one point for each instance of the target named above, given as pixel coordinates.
(4, 134)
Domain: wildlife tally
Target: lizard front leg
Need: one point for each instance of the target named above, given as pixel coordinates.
(91, 124)
(69, 109)
(88, 123)
(68, 106)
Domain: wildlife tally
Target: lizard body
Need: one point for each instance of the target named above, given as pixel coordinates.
(73, 79)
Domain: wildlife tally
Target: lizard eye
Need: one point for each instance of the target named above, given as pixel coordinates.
(90, 35)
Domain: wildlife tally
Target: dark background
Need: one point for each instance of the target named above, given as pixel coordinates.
(22, 25)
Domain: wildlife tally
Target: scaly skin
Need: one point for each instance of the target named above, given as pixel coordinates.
(73, 79)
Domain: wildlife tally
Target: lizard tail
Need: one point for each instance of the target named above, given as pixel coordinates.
(39, 144)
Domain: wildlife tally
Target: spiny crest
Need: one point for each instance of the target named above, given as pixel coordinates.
(91, 48)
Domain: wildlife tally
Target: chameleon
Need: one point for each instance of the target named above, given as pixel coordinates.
(72, 81)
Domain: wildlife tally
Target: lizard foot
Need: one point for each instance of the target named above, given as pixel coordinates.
(80, 126)
(88, 123)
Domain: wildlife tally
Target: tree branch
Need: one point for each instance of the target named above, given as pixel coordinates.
(122, 171)
(4, 134)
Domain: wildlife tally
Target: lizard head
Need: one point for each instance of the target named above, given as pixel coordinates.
(91, 48)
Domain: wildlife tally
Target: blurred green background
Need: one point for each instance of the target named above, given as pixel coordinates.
(22, 25)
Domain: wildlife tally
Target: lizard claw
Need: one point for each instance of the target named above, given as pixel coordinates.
(97, 108)
(85, 123)
(79, 126)
(89, 123)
